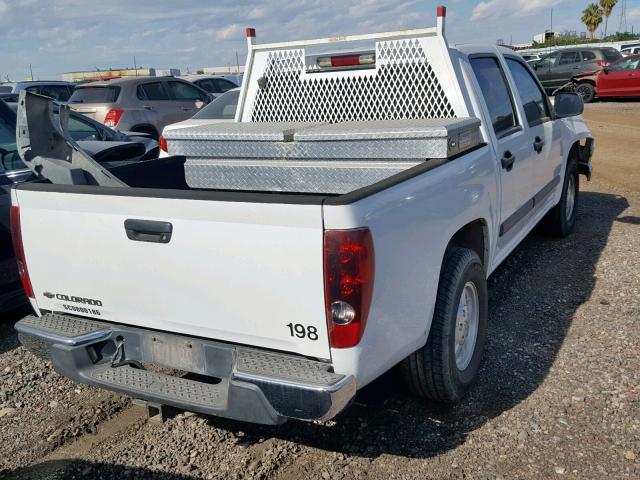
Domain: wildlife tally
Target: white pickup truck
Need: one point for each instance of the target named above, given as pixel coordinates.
(345, 223)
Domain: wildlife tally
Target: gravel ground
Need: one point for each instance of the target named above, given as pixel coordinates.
(558, 394)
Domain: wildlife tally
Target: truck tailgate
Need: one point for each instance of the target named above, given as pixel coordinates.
(232, 271)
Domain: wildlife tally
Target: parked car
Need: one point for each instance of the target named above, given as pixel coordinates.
(620, 79)
(12, 172)
(630, 51)
(222, 109)
(214, 84)
(345, 235)
(140, 104)
(58, 90)
(103, 144)
(530, 57)
(557, 68)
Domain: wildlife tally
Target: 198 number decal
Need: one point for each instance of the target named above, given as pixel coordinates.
(300, 331)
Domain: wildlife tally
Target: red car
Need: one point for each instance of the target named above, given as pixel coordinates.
(620, 79)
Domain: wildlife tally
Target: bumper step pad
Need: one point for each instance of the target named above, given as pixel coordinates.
(165, 387)
(63, 329)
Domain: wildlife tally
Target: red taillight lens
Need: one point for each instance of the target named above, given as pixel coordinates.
(113, 117)
(348, 277)
(18, 248)
(602, 63)
(163, 144)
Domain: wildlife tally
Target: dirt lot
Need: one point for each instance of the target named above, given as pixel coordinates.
(558, 395)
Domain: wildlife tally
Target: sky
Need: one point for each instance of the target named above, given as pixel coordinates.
(57, 36)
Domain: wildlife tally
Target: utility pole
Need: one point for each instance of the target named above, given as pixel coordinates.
(237, 63)
(31, 70)
(135, 65)
(551, 29)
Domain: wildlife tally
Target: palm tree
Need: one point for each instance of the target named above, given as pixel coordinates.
(607, 6)
(592, 17)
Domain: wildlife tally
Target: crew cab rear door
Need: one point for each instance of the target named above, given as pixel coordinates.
(512, 142)
(246, 272)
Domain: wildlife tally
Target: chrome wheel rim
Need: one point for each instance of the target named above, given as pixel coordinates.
(467, 319)
(571, 198)
(584, 92)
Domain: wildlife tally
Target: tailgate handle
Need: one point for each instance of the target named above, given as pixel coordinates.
(148, 230)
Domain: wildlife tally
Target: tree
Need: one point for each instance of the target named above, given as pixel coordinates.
(607, 6)
(592, 17)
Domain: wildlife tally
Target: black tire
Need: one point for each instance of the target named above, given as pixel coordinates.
(587, 91)
(432, 372)
(556, 222)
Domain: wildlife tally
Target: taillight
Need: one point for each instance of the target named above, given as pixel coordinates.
(113, 117)
(348, 283)
(347, 60)
(602, 63)
(163, 144)
(18, 248)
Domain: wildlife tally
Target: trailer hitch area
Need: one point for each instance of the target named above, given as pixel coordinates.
(47, 148)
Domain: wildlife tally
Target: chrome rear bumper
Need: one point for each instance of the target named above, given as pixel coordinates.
(194, 374)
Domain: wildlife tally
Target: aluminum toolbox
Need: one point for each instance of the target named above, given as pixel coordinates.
(314, 158)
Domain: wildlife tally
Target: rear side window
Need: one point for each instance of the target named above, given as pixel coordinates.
(206, 85)
(223, 85)
(611, 54)
(95, 95)
(182, 91)
(533, 99)
(9, 158)
(152, 91)
(222, 108)
(569, 57)
(588, 56)
(496, 93)
(57, 92)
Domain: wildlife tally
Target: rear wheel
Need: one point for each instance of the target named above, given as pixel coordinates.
(587, 91)
(445, 368)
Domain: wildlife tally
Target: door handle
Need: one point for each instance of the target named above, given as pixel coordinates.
(185, 109)
(538, 143)
(148, 230)
(147, 107)
(507, 160)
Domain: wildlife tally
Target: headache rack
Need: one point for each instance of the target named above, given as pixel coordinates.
(312, 118)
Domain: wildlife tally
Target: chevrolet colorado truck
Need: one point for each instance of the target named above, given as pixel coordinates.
(346, 222)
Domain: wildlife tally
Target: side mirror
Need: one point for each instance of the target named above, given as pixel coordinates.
(606, 70)
(568, 105)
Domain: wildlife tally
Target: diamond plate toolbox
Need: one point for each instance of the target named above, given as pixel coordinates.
(304, 157)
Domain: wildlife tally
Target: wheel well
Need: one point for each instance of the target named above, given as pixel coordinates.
(150, 129)
(474, 237)
(587, 81)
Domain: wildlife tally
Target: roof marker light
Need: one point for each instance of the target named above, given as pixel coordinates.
(347, 60)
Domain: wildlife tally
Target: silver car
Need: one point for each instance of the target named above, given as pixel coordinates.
(139, 104)
(214, 84)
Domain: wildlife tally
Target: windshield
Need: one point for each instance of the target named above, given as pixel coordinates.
(9, 159)
(222, 108)
(101, 94)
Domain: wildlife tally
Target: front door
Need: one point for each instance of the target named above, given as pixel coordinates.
(536, 111)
